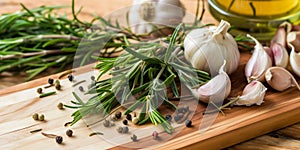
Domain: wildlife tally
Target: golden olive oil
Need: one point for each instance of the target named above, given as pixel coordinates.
(257, 17)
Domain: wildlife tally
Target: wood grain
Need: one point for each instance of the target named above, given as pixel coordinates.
(239, 123)
(16, 127)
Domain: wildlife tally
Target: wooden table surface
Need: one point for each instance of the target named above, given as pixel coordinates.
(286, 138)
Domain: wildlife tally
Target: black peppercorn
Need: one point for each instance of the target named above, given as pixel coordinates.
(81, 88)
(50, 81)
(39, 90)
(188, 123)
(134, 138)
(125, 129)
(93, 78)
(70, 77)
(125, 122)
(59, 139)
(69, 133)
(128, 117)
(106, 123)
(118, 115)
(168, 118)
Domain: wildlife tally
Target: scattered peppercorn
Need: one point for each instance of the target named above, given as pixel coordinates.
(57, 86)
(155, 135)
(188, 123)
(50, 81)
(177, 118)
(125, 122)
(60, 106)
(128, 117)
(59, 139)
(118, 115)
(70, 77)
(35, 116)
(81, 89)
(135, 120)
(106, 123)
(134, 138)
(41, 117)
(120, 129)
(69, 133)
(92, 78)
(39, 90)
(169, 118)
(125, 129)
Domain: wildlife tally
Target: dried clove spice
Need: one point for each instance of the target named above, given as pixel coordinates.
(58, 139)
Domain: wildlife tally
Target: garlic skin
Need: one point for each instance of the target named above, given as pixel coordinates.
(217, 89)
(280, 79)
(253, 93)
(259, 62)
(280, 55)
(146, 13)
(206, 48)
(294, 38)
(295, 60)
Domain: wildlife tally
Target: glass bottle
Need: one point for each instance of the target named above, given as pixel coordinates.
(257, 17)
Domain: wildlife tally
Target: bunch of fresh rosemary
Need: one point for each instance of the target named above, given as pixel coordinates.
(34, 40)
(141, 78)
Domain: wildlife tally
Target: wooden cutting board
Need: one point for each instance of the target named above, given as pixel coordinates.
(18, 103)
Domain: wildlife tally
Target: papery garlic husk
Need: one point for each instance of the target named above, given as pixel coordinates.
(259, 62)
(280, 79)
(206, 48)
(218, 87)
(295, 60)
(253, 93)
(144, 14)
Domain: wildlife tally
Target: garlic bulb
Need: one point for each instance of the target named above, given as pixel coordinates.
(253, 93)
(216, 90)
(144, 14)
(259, 62)
(295, 60)
(206, 48)
(280, 79)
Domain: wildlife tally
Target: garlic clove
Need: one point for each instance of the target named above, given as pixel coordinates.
(280, 55)
(294, 38)
(253, 93)
(280, 79)
(217, 89)
(295, 60)
(259, 62)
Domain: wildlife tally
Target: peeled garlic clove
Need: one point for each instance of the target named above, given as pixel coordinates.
(144, 15)
(295, 61)
(280, 79)
(280, 55)
(253, 93)
(259, 62)
(218, 87)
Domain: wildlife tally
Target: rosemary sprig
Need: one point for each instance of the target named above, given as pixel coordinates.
(141, 77)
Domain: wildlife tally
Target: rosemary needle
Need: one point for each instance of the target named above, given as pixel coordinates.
(96, 133)
(77, 83)
(47, 94)
(37, 130)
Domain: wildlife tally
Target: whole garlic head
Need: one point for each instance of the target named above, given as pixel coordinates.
(259, 62)
(280, 79)
(253, 93)
(206, 48)
(217, 89)
(144, 14)
(295, 60)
